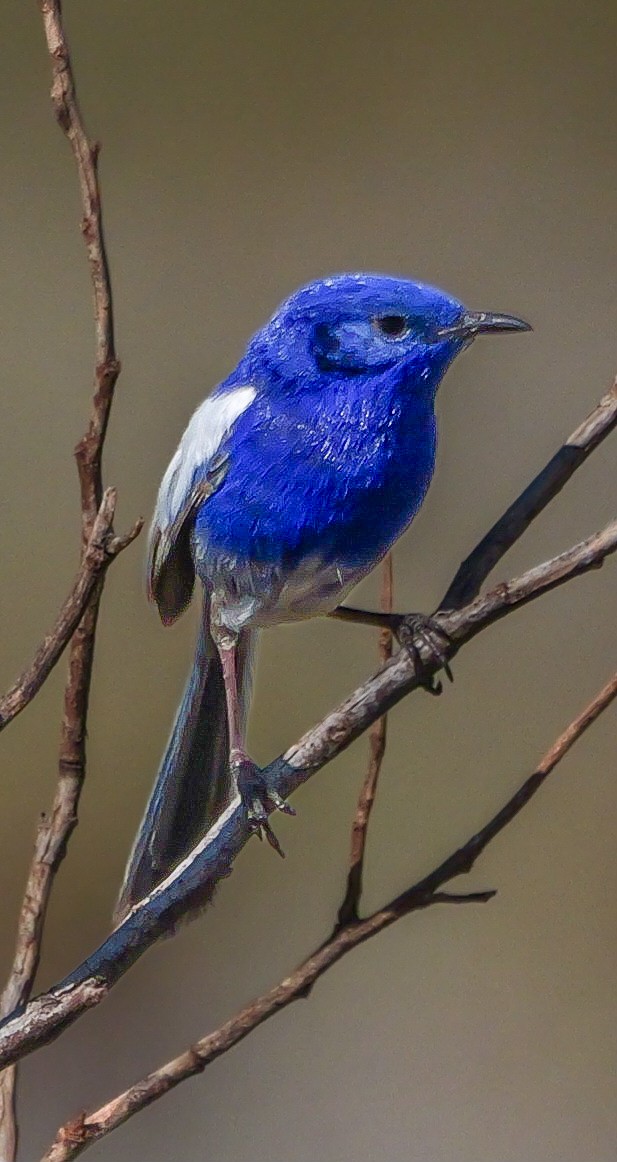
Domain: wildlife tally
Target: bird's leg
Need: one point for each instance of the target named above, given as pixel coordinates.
(253, 787)
(411, 630)
(227, 648)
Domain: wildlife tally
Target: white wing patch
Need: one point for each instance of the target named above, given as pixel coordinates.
(201, 441)
(171, 571)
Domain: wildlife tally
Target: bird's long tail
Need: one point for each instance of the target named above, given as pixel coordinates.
(193, 784)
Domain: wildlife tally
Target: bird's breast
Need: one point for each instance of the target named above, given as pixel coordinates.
(337, 482)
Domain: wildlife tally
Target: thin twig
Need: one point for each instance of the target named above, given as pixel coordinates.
(53, 830)
(86, 153)
(54, 833)
(474, 570)
(212, 858)
(348, 910)
(81, 1132)
(100, 551)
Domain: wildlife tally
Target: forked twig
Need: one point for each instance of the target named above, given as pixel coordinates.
(101, 549)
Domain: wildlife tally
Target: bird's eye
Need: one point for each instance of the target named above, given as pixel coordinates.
(393, 326)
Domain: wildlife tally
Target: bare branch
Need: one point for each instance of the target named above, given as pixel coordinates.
(53, 830)
(212, 858)
(81, 1132)
(348, 910)
(86, 153)
(83, 603)
(100, 551)
(42, 1019)
(488, 552)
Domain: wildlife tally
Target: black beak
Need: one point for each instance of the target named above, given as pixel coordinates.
(474, 323)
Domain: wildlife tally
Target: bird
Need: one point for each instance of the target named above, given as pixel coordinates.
(292, 480)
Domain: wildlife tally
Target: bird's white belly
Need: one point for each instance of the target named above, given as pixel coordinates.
(257, 595)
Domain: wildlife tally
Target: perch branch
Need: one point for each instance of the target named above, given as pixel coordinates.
(474, 570)
(211, 859)
(348, 910)
(81, 1132)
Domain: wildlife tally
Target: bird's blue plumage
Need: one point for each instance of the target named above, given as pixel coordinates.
(333, 457)
(291, 481)
(326, 472)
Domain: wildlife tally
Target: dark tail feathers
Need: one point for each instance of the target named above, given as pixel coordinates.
(193, 784)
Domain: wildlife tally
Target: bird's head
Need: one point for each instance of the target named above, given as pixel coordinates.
(354, 324)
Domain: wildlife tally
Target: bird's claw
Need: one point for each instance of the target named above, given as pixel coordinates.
(256, 795)
(416, 629)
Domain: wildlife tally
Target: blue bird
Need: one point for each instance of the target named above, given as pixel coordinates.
(290, 483)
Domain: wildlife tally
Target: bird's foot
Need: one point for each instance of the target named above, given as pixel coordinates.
(414, 630)
(257, 797)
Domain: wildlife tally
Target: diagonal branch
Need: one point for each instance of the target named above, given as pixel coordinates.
(53, 830)
(100, 550)
(474, 570)
(348, 910)
(211, 860)
(81, 1132)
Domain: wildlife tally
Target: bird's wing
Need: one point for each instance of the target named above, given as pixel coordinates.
(197, 469)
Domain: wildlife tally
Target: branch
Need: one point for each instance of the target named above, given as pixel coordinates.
(348, 910)
(211, 859)
(100, 551)
(81, 1132)
(54, 829)
(44, 1018)
(86, 153)
(54, 833)
(474, 570)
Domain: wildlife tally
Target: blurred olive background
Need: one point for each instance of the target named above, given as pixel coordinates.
(246, 149)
